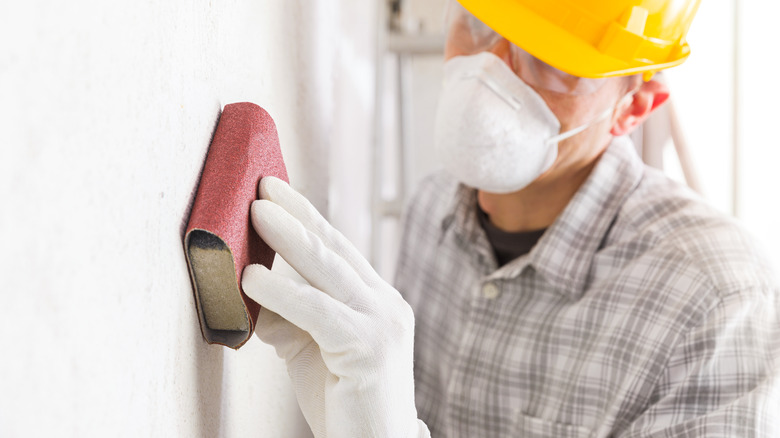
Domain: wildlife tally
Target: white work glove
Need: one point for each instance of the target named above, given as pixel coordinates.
(347, 336)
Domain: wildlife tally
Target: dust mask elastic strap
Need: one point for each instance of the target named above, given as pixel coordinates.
(601, 117)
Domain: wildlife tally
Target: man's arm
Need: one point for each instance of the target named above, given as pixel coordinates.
(723, 379)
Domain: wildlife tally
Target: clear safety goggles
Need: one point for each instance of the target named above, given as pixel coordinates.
(467, 35)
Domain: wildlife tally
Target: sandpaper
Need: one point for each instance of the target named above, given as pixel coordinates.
(220, 242)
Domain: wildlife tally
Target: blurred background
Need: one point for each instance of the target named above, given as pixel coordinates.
(107, 112)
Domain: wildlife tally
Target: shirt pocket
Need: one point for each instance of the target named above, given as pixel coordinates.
(532, 427)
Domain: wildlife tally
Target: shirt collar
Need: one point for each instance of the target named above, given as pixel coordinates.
(466, 226)
(565, 253)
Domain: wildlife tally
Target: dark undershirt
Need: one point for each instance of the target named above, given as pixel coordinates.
(508, 246)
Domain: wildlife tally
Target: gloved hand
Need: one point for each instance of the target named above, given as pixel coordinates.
(347, 336)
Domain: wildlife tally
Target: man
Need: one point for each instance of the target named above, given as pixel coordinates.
(559, 287)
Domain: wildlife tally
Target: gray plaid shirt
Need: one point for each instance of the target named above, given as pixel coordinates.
(641, 312)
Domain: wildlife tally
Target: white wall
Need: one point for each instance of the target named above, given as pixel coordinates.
(107, 112)
(726, 101)
(703, 93)
(758, 157)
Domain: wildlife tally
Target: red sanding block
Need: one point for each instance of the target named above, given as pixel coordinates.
(220, 242)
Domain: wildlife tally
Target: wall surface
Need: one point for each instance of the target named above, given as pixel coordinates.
(107, 112)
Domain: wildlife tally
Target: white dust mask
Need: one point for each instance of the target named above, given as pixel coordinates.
(493, 132)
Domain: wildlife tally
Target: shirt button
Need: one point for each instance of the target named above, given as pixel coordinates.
(490, 291)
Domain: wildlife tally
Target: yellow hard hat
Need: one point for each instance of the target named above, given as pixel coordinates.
(594, 38)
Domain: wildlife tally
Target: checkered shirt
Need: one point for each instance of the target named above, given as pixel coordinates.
(641, 312)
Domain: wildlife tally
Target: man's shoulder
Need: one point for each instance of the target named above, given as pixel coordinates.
(674, 223)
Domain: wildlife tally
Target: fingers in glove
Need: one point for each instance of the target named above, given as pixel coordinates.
(280, 193)
(305, 252)
(324, 318)
(288, 339)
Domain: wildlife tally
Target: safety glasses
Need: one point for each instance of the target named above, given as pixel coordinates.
(467, 35)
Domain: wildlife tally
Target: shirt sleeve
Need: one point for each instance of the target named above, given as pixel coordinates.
(723, 378)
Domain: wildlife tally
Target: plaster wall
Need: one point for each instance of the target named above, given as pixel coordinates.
(106, 113)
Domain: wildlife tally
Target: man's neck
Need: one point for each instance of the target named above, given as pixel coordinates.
(537, 206)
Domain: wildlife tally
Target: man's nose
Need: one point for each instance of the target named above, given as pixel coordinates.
(503, 49)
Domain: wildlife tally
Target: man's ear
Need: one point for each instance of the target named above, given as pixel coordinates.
(651, 95)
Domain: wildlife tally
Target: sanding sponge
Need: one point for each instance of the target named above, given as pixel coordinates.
(220, 242)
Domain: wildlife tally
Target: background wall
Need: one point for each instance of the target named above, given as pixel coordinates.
(107, 112)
